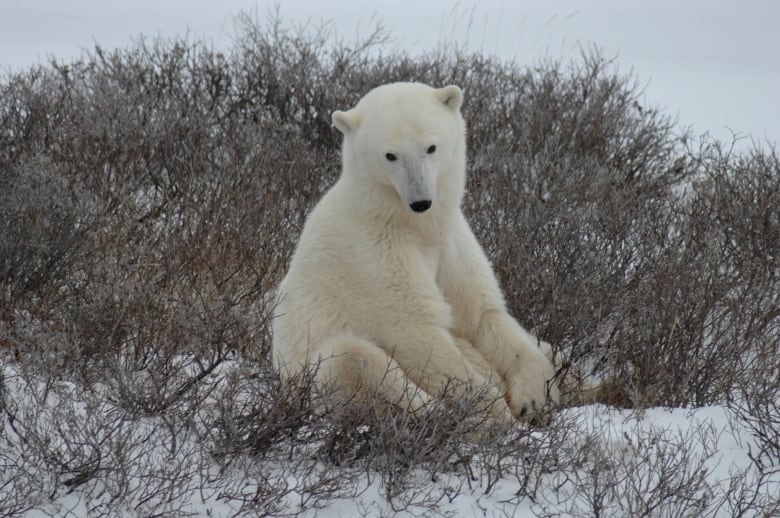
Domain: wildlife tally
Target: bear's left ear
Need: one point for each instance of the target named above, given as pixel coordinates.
(345, 122)
(451, 96)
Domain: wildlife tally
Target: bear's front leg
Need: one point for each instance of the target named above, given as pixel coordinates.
(526, 370)
(480, 315)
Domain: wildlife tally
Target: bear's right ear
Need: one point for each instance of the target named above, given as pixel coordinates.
(345, 122)
(451, 96)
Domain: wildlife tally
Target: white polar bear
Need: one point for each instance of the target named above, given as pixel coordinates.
(389, 291)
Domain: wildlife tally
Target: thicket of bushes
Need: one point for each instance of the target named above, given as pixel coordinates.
(150, 199)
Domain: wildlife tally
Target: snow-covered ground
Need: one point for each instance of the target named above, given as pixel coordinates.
(653, 462)
(633, 443)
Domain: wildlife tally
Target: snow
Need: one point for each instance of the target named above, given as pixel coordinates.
(625, 455)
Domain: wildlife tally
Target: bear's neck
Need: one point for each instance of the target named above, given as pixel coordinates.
(374, 202)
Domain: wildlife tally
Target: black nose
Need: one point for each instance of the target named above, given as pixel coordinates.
(420, 206)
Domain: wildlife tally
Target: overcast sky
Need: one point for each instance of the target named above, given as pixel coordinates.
(713, 63)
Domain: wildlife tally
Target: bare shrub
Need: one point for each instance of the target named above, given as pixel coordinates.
(68, 439)
(651, 471)
(326, 448)
(755, 403)
(42, 224)
(750, 494)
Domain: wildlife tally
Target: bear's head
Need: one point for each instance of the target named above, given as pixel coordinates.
(409, 139)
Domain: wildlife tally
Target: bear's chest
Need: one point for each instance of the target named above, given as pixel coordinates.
(431, 259)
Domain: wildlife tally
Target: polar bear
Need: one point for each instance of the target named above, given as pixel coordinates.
(389, 291)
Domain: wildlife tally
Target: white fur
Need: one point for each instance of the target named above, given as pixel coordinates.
(395, 301)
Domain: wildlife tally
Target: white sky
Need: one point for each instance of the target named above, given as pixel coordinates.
(713, 63)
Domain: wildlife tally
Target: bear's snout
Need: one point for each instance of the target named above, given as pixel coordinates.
(420, 206)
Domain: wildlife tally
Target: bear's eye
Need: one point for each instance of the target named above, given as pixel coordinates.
(431, 149)
(390, 157)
